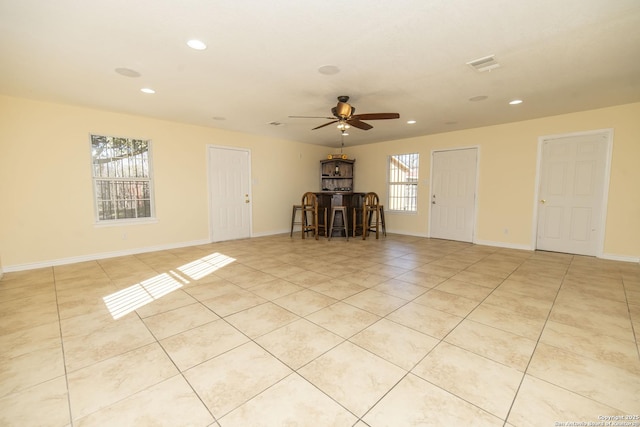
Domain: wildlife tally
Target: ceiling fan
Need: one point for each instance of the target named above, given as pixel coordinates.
(343, 114)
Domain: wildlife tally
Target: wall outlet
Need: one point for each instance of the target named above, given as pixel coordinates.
(506, 231)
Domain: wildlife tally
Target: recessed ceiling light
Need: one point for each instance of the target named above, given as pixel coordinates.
(478, 98)
(328, 70)
(196, 44)
(127, 72)
(411, 122)
(515, 102)
(147, 90)
(220, 118)
(450, 123)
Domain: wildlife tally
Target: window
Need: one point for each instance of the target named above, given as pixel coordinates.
(121, 178)
(403, 182)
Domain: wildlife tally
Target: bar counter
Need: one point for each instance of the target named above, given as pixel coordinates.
(349, 199)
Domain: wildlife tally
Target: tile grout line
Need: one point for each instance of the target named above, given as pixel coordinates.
(524, 374)
(478, 305)
(344, 340)
(180, 372)
(441, 340)
(458, 324)
(564, 282)
(633, 329)
(126, 352)
(64, 359)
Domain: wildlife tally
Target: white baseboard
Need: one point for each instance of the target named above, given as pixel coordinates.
(614, 257)
(504, 245)
(274, 233)
(102, 255)
(105, 255)
(425, 235)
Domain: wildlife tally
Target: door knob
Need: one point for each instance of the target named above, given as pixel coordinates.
(543, 201)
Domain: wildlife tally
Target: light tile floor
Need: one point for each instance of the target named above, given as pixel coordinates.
(273, 331)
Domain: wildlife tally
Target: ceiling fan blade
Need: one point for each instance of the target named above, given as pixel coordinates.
(310, 117)
(376, 116)
(326, 124)
(358, 124)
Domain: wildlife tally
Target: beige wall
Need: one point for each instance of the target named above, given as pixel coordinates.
(507, 176)
(47, 212)
(47, 199)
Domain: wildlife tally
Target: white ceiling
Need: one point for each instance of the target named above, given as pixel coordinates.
(263, 57)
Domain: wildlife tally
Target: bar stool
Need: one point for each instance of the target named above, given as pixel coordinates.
(296, 208)
(310, 207)
(357, 203)
(382, 223)
(344, 227)
(371, 207)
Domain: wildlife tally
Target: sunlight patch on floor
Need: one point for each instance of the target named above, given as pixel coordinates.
(135, 296)
(129, 299)
(206, 265)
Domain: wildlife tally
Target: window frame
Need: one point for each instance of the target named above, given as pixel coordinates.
(412, 198)
(148, 179)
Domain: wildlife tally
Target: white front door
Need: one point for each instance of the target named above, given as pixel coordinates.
(230, 197)
(571, 190)
(453, 194)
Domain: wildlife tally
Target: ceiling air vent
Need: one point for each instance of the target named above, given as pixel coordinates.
(484, 64)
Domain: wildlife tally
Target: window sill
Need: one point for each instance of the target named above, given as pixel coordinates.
(124, 222)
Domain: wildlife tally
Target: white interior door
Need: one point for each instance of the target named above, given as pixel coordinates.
(571, 193)
(230, 197)
(453, 194)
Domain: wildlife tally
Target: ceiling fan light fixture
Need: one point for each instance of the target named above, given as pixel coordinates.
(344, 115)
(343, 110)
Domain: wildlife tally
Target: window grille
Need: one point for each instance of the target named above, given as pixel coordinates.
(122, 178)
(403, 182)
